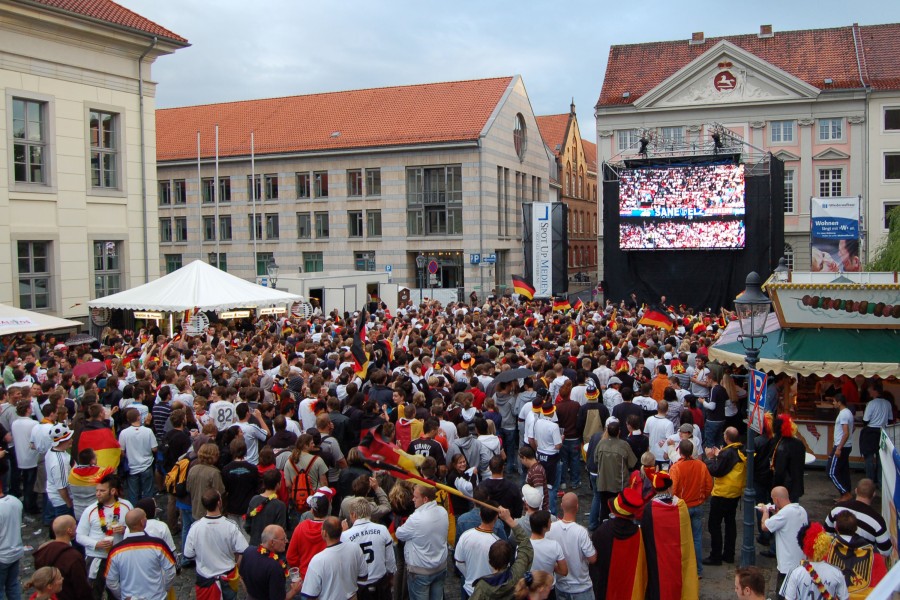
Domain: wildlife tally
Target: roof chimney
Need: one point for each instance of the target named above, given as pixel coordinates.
(765, 31)
(697, 38)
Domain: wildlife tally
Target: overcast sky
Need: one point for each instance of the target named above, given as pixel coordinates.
(243, 50)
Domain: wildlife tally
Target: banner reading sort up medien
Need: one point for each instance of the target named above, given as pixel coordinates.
(542, 245)
(834, 239)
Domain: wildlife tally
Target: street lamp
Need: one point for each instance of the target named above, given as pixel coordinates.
(752, 309)
(782, 273)
(420, 263)
(272, 270)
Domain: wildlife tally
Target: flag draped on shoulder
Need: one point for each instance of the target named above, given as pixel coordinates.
(656, 318)
(87, 476)
(358, 349)
(522, 287)
(671, 561)
(104, 444)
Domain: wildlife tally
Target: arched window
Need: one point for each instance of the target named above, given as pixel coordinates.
(789, 256)
(568, 179)
(520, 137)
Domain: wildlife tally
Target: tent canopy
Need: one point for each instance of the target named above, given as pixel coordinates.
(820, 352)
(196, 285)
(16, 320)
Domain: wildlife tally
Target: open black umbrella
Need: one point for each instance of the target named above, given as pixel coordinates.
(513, 374)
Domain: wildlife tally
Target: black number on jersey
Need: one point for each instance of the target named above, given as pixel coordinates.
(366, 547)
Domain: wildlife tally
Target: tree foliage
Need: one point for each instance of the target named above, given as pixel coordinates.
(887, 256)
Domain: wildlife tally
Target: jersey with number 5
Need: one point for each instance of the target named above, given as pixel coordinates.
(222, 414)
(376, 545)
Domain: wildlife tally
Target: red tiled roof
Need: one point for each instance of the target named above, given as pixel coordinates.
(553, 130)
(590, 154)
(377, 117)
(811, 55)
(106, 10)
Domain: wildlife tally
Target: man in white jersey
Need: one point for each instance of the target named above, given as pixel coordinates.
(100, 527)
(337, 571)
(221, 411)
(378, 552)
(578, 551)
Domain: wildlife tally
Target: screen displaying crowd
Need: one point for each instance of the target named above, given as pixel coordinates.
(670, 235)
(682, 192)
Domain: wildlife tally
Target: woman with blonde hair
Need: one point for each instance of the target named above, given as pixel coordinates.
(47, 582)
(535, 585)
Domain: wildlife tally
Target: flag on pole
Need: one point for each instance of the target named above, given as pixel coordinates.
(655, 318)
(561, 304)
(358, 348)
(578, 304)
(522, 287)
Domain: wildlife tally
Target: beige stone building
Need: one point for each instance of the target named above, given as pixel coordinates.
(820, 100)
(364, 180)
(77, 141)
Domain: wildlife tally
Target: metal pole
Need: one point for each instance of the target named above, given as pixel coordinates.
(748, 548)
(216, 200)
(253, 199)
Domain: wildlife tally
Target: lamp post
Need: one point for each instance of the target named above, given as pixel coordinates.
(272, 270)
(782, 271)
(420, 264)
(752, 309)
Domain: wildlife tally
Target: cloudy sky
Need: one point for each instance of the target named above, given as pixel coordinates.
(242, 50)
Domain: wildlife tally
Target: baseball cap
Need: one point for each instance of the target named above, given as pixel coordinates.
(532, 496)
(613, 381)
(686, 428)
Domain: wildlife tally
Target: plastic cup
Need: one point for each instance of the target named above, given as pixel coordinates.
(294, 574)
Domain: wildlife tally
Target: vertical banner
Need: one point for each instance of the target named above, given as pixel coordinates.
(890, 492)
(757, 399)
(834, 235)
(542, 246)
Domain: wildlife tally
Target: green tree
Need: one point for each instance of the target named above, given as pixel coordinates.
(887, 256)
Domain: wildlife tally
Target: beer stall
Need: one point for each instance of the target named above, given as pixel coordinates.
(829, 333)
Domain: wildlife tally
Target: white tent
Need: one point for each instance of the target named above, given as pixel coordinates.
(196, 285)
(16, 320)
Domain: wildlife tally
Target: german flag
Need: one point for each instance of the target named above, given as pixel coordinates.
(671, 562)
(358, 348)
(578, 304)
(571, 331)
(522, 287)
(387, 349)
(698, 327)
(375, 449)
(88, 476)
(612, 323)
(103, 442)
(655, 318)
(561, 305)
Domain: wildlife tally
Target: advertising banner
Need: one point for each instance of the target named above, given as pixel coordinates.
(834, 235)
(542, 245)
(890, 492)
(758, 382)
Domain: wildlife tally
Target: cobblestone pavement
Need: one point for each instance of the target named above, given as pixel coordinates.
(717, 583)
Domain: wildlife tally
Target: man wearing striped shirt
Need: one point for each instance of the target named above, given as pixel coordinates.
(140, 566)
(870, 524)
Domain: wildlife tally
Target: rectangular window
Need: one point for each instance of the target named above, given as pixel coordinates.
(354, 182)
(222, 261)
(254, 192)
(321, 224)
(208, 188)
(892, 165)
(312, 262)
(224, 189)
(262, 263)
(373, 182)
(107, 268)
(892, 119)
(788, 191)
(209, 229)
(180, 229)
(104, 149)
(180, 191)
(890, 209)
(29, 132)
(434, 200)
(173, 263)
(373, 223)
(225, 227)
(256, 229)
(34, 275)
(304, 226)
(831, 183)
(672, 136)
(303, 185)
(272, 229)
(782, 132)
(831, 130)
(355, 223)
(320, 184)
(165, 230)
(627, 138)
(272, 186)
(165, 192)
(364, 261)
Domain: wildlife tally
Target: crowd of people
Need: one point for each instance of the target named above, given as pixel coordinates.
(700, 190)
(680, 235)
(370, 455)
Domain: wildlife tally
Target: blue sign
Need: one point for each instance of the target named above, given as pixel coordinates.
(757, 401)
(474, 259)
(835, 218)
(388, 268)
(490, 259)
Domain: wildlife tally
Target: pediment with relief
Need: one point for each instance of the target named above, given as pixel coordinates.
(726, 74)
(831, 154)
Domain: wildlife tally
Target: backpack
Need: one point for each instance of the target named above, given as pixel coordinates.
(176, 478)
(302, 488)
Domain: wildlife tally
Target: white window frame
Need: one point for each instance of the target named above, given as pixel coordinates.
(672, 136)
(355, 183)
(356, 224)
(884, 129)
(307, 217)
(321, 217)
(366, 258)
(175, 230)
(793, 186)
(886, 205)
(789, 256)
(106, 269)
(373, 181)
(831, 181)
(632, 135)
(830, 137)
(318, 258)
(374, 226)
(173, 257)
(31, 275)
(884, 157)
(779, 127)
(165, 239)
(225, 231)
(273, 226)
(48, 133)
(209, 235)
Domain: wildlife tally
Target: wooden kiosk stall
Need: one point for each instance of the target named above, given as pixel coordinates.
(828, 335)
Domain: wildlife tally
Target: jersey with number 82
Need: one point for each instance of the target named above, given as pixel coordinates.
(222, 414)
